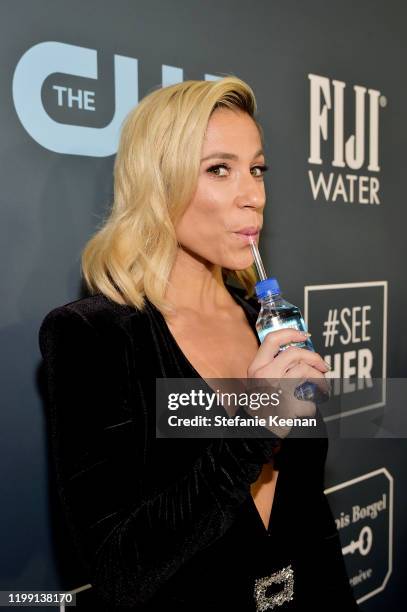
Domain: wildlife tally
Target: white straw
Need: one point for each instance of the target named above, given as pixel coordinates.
(257, 259)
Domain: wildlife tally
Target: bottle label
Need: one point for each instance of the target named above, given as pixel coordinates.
(293, 323)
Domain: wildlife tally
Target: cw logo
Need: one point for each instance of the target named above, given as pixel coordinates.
(46, 58)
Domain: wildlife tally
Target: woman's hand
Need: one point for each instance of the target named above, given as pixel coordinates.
(285, 371)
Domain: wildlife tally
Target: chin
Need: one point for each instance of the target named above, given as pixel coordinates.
(239, 263)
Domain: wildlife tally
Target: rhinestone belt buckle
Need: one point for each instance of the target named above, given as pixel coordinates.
(268, 602)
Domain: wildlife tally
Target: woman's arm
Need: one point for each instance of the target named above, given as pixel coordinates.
(133, 543)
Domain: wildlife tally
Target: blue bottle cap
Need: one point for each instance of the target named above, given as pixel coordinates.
(269, 284)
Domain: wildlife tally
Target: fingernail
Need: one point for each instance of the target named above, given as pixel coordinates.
(327, 365)
(306, 334)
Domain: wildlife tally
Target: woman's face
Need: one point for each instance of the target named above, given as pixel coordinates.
(230, 194)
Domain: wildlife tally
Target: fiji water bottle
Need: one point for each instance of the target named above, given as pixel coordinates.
(276, 313)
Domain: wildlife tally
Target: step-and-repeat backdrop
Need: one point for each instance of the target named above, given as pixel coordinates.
(332, 95)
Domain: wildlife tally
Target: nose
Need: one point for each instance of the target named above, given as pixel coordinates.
(250, 192)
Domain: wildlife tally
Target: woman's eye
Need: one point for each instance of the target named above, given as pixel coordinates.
(259, 170)
(219, 170)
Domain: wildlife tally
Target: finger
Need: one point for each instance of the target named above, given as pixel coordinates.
(293, 355)
(271, 344)
(303, 372)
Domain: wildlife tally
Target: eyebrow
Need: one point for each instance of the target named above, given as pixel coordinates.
(223, 155)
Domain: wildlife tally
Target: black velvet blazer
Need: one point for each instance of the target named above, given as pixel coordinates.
(170, 524)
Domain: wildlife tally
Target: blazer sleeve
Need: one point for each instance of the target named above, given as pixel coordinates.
(132, 543)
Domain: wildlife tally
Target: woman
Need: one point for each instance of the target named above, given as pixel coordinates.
(203, 524)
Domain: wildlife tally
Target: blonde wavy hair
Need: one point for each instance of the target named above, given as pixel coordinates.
(155, 176)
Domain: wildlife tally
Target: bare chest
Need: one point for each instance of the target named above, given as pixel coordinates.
(216, 349)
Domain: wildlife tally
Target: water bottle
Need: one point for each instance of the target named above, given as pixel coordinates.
(276, 313)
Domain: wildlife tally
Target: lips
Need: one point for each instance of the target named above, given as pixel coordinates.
(248, 231)
(247, 234)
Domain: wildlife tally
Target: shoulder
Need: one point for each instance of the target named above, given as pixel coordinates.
(96, 314)
(92, 309)
(96, 310)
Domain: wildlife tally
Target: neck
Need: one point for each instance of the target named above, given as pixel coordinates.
(196, 284)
